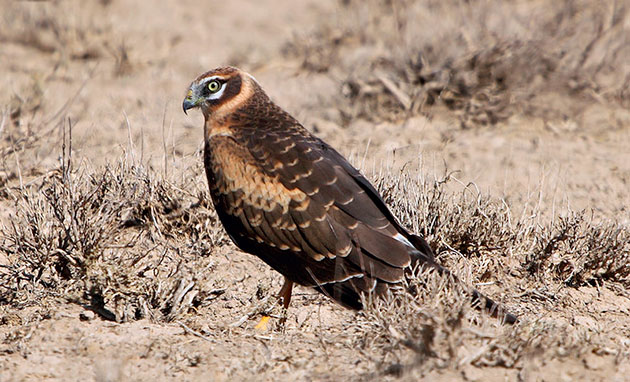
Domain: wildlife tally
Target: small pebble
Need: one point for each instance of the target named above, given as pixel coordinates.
(87, 315)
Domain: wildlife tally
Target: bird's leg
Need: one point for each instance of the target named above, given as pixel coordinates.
(285, 293)
(285, 296)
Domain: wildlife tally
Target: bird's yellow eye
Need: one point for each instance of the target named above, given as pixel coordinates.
(214, 86)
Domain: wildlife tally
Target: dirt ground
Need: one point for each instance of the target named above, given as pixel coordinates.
(499, 130)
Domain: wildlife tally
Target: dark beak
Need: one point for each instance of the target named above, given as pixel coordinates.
(189, 101)
(188, 104)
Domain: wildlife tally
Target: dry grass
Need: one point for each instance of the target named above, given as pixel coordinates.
(573, 249)
(415, 334)
(142, 247)
(579, 252)
(484, 60)
(128, 244)
(120, 239)
(70, 35)
(434, 327)
(415, 344)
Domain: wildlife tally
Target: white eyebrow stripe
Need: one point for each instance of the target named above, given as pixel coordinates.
(213, 78)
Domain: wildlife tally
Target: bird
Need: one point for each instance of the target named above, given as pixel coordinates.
(289, 198)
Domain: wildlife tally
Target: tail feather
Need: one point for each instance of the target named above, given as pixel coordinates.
(478, 299)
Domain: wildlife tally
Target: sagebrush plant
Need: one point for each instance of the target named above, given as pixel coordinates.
(580, 252)
(120, 238)
(75, 35)
(434, 327)
(573, 249)
(123, 231)
(501, 59)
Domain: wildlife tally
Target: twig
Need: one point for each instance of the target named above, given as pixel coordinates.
(403, 98)
(130, 139)
(474, 357)
(181, 291)
(241, 320)
(164, 141)
(17, 163)
(4, 119)
(194, 333)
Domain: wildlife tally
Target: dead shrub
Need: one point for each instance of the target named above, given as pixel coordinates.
(119, 239)
(43, 27)
(434, 328)
(573, 250)
(484, 60)
(428, 324)
(580, 253)
(457, 225)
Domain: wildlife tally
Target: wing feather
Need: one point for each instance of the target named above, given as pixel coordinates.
(344, 211)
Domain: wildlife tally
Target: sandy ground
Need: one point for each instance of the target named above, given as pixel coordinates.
(117, 71)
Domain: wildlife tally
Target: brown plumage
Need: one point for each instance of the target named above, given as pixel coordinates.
(289, 198)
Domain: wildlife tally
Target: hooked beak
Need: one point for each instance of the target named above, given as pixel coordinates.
(189, 102)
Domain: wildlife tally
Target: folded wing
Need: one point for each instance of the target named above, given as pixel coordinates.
(297, 204)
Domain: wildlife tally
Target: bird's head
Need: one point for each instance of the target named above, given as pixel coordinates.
(219, 91)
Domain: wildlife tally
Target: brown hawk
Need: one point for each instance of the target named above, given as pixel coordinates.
(289, 198)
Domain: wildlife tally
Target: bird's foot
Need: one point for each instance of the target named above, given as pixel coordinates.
(285, 297)
(263, 323)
